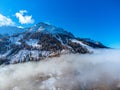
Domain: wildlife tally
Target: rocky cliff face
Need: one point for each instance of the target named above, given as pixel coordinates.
(39, 42)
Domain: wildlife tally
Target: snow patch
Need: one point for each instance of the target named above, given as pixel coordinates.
(16, 39)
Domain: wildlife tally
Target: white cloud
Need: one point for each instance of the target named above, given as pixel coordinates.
(24, 19)
(6, 21)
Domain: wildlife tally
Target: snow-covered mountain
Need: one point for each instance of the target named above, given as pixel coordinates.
(10, 30)
(40, 41)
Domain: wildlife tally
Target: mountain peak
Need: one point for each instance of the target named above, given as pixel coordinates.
(49, 29)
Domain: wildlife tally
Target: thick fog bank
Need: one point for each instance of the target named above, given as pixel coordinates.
(100, 70)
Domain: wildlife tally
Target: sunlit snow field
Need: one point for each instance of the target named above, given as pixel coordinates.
(98, 71)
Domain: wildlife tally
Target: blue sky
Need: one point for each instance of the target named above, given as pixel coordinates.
(95, 19)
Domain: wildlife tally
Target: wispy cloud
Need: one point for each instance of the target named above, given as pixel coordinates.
(24, 19)
(6, 21)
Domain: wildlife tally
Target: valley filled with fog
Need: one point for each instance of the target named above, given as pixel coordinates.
(97, 71)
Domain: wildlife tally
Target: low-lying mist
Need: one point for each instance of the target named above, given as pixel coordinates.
(98, 71)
